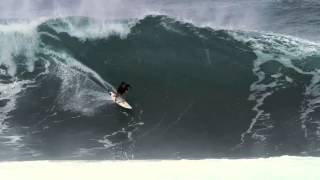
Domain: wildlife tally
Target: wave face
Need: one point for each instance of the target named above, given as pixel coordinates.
(197, 92)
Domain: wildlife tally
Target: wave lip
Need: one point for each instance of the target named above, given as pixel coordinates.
(86, 28)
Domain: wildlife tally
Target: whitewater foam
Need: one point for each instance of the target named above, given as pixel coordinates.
(283, 49)
(18, 38)
(93, 28)
(19, 44)
(11, 92)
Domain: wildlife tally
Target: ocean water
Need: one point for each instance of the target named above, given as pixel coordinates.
(210, 79)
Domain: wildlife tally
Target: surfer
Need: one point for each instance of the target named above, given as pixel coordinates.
(122, 89)
(117, 96)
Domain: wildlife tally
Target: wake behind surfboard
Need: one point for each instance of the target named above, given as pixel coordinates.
(119, 100)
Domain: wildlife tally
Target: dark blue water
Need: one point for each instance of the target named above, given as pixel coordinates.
(198, 92)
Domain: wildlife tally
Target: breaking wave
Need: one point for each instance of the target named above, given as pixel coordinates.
(197, 92)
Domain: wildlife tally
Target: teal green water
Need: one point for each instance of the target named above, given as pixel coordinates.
(196, 92)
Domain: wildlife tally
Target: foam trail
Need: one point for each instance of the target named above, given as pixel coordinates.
(284, 49)
(67, 61)
(259, 96)
(126, 132)
(78, 92)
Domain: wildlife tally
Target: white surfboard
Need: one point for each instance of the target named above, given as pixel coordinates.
(120, 101)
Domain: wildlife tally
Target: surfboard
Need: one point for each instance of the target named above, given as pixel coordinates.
(119, 100)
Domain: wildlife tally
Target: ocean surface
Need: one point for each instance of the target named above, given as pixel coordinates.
(210, 79)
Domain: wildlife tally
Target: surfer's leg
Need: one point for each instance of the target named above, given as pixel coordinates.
(117, 96)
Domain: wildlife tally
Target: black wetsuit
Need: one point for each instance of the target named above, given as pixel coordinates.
(123, 88)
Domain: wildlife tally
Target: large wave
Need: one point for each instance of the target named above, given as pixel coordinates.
(197, 92)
